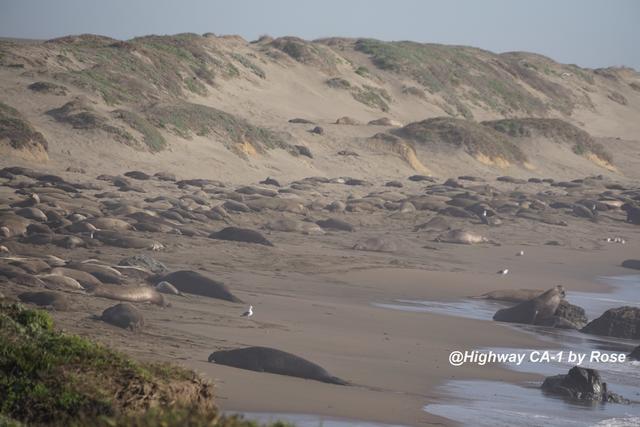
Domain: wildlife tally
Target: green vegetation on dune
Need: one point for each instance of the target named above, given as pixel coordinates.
(475, 139)
(552, 129)
(186, 119)
(306, 52)
(15, 129)
(462, 75)
(150, 135)
(369, 95)
(52, 378)
(144, 68)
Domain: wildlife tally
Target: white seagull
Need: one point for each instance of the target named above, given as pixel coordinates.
(248, 313)
(520, 253)
(503, 272)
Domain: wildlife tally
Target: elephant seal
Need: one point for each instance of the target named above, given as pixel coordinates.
(462, 237)
(123, 315)
(45, 299)
(265, 359)
(195, 283)
(240, 235)
(88, 281)
(510, 295)
(103, 273)
(534, 311)
(55, 281)
(145, 262)
(115, 238)
(131, 294)
(335, 224)
(168, 288)
(375, 244)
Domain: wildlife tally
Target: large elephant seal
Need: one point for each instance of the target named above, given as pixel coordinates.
(241, 235)
(131, 294)
(510, 295)
(123, 315)
(265, 359)
(45, 299)
(195, 283)
(88, 281)
(534, 311)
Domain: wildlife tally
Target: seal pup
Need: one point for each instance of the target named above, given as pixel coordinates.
(265, 359)
(535, 310)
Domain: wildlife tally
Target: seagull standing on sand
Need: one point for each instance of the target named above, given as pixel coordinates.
(520, 253)
(503, 272)
(249, 312)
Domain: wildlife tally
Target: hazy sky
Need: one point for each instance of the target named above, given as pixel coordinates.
(590, 33)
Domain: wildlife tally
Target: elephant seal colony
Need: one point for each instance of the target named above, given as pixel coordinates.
(182, 258)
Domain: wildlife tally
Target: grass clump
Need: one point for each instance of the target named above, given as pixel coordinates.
(151, 137)
(338, 83)
(15, 129)
(186, 119)
(373, 97)
(363, 71)
(475, 139)
(250, 65)
(555, 130)
(306, 52)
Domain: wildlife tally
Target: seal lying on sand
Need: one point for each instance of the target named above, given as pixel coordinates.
(195, 283)
(534, 311)
(45, 299)
(241, 235)
(463, 237)
(265, 359)
(131, 294)
(123, 315)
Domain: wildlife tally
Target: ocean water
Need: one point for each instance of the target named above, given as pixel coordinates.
(492, 403)
(310, 420)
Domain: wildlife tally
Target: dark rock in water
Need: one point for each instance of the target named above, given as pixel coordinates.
(303, 151)
(195, 283)
(236, 234)
(621, 322)
(581, 384)
(396, 184)
(145, 262)
(270, 181)
(123, 315)
(633, 213)
(335, 224)
(421, 178)
(137, 175)
(635, 354)
(573, 313)
(631, 263)
(265, 359)
(45, 299)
